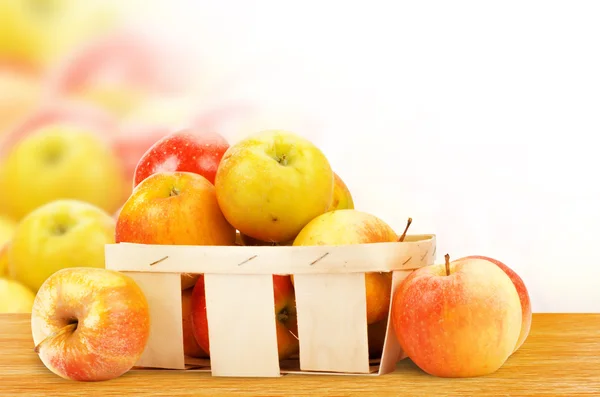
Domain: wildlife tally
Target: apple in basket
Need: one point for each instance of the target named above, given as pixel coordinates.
(347, 227)
(271, 184)
(186, 150)
(285, 316)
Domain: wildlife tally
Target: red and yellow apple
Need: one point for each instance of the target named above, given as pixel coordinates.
(350, 226)
(19, 94)
(57, 235)
(15, 297)
(60, 162)
(342, 198)
(458, 319)
(521, 290)
(271, 184)
(90, 324)
(190, 346)
(178, 208)
(186, 150)
(285, 316)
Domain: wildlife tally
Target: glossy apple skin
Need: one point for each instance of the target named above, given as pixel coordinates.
(271, 184)
(152, 215)
(187, 150)
(347, 227)
(522, 291)
(285, 316)
(342, 198)
(112, 330)
(462, 325)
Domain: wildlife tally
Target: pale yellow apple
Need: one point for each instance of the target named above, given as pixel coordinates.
(271, 184)
(15, 297)
(57, 162)
(60, 234)
(342, 198)
(348, 227)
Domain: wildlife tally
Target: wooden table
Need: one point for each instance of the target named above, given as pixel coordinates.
(560, 357)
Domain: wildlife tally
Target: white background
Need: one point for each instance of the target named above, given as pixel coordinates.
(478, 119)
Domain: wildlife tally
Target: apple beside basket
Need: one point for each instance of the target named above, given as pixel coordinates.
(330, 293)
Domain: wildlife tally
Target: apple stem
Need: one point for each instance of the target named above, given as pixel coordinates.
(447, 257)
(66, 329)
(401, 239)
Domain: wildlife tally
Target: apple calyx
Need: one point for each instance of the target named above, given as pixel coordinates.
(71, 327)
(174, 192)
(403, 236)
(283, 315)
(447, 258)
(282, 159)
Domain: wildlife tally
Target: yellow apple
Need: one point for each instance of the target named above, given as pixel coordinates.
(347, 227)
(60, 161)
(342, 198)
(15, 297)
(271, 184)
(60, 234)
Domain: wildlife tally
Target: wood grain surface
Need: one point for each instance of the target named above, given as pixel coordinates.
(561, 357)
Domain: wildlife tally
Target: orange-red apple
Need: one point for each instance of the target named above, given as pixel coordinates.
(190, 346)
(285, 316)
(342, 198)
(178, 208)
(521, 290)
(271, 184)
(90, 324)
(350, 226)
(458, 319)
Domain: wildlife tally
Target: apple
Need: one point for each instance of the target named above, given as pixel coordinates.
(350, 226)
(60, 162)
(342, 198)
(285, 316)
(249, 241)
(15, 297)
(521, 290)
(60, 234)
(271, 184)
(376, 336)
(118, 72)
(90, 324)
(60, 112)
(186, 150)
(190, 346)
(175, 208)
(458, 319)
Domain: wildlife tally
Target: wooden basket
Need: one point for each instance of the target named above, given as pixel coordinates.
(330, 293)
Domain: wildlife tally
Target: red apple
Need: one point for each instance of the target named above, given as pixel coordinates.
(461, 319)
(186, 150)
(521, 289)
(285, 315)
(90, 324)
(178, 208)
(190, 346)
